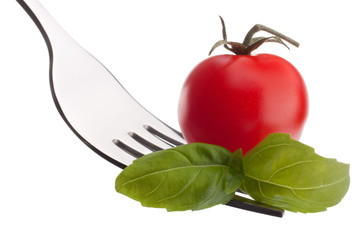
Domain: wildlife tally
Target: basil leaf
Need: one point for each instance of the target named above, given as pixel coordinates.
(288, 174)
(189, 177)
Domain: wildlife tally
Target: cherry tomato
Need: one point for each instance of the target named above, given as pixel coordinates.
(235, 101)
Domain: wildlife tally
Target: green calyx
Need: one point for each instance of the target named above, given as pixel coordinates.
(250, 42)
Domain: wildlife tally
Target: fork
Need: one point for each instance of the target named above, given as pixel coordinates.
(99, 110)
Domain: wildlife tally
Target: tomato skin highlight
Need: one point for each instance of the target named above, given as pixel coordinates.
(235, 101)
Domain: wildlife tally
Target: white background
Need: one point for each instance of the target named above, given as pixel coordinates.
(53, 187)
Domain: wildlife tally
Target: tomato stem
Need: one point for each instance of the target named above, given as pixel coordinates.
(259, 27)
(224, 34)
(250, 43)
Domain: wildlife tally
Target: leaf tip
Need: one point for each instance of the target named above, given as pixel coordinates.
(236, 159)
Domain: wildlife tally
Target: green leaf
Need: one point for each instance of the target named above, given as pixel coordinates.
(288, 174)
(189, 177)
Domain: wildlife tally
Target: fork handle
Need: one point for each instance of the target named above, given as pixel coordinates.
(54, 35)
(253, 206)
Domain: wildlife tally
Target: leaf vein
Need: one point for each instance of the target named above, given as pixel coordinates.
(271, 146)
(157, 187)
(289, 166)
(183, 189)
(210, 195)
(299, 188)
(278, 200)
(260, 190)
(172, 169)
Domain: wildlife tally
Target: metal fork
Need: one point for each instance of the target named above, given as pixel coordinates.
(98, 109)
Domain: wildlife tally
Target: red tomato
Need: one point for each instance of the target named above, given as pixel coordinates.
(235, 101)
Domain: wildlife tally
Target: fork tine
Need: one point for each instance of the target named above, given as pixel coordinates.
(139, 142)
(151, 146)
(126, 148)
(167, 136)
(148, 139)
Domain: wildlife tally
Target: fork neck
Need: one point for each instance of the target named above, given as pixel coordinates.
(49, 28)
